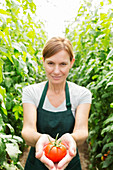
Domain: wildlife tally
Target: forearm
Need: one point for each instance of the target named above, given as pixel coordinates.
(30, 136)
(80, 136)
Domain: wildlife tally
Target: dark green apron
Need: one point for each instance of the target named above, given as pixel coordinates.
(52, 123)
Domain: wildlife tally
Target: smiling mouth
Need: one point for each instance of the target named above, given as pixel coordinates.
(56, 77)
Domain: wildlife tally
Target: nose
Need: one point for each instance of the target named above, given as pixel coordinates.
(56, 69)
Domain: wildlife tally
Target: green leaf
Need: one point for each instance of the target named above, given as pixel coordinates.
(109, 128)
(101, 83)
(3, 49)
(8, 82)
(110, 1)
(99, 155)
(10, 127)
(10, 166)
(6, 53)
(16, 115)
(3, 36)
(13, 151)
(19, 166)
(16, 46)
(2, 151)
(24, 56)
(3, 93)
(11, 139)
(4, 110)
(101, 3)
(94, 77)
(18, 139)
(17, 111)
(4, 12)
(111, 105)
(1, 123)
(109, 120)
(111, 15)
(31, 34)
(1, 64)
(110, 54)
(109, 84)
(107, 146)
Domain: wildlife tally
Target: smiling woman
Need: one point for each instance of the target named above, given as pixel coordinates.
(58, 58)
(55, 106)
(57, 67)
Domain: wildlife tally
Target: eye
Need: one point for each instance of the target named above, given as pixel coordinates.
(50, 63)
(63, 64)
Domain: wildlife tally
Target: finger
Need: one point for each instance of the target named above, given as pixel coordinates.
(72, 148)
(65, 161)
(72, 151)
(38, 154)
(50, 168)
(47, 162)
(39, 151)
(63, 167)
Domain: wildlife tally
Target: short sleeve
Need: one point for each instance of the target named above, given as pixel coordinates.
(32, 93)
(27, 95)
(85, 96)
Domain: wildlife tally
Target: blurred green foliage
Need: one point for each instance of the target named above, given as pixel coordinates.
(22, 36)
(92, 37)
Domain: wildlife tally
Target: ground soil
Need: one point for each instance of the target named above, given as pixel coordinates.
(84, 156)
(83, 152)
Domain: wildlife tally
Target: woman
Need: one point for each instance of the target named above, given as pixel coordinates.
(53, 107)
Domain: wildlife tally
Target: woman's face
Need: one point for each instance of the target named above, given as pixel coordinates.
(57, 67)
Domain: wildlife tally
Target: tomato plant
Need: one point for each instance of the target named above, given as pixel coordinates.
(55, 151)
(91, 35)
(22, 37)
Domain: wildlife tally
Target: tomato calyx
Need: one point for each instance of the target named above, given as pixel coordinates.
(55, 150)
(55, 143)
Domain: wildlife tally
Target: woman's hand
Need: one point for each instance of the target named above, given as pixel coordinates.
(43, 140)
(70, 143)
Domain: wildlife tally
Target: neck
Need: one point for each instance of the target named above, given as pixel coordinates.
(57, 88)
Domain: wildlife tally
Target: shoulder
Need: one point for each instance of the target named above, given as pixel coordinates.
(77, 88)
(34, 87)
(32, 93)
(80, 93)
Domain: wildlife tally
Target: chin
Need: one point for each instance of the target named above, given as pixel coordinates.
(57, 81)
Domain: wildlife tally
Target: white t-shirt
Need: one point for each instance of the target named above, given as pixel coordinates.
(78, 95)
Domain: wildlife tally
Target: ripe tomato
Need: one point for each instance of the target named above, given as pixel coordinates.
(55, 152)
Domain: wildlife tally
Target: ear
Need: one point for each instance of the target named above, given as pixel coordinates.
(72, 62)
(43, 59)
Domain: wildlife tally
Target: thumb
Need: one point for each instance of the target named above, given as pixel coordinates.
(72, 151)
(72, 147)
(38, 154)
(39, 151)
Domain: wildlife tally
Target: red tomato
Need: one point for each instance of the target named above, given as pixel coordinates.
(55, 152)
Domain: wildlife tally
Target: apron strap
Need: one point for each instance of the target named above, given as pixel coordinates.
(68, 104)
(43, 96)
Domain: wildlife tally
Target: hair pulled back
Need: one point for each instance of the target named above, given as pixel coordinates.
(55, 45)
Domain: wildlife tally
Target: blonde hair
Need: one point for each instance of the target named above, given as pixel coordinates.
(55, 45)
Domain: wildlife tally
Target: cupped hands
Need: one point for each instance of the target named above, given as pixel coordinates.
(69, 143)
